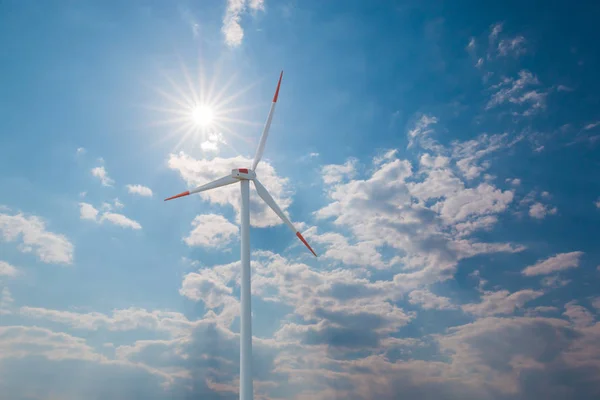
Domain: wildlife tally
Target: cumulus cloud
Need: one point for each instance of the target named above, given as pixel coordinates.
(427, 215)
(211, 230)
(139, 190)
(197, 172)
(100, 173)
(540, 211)
(31, 234)
(558, 262)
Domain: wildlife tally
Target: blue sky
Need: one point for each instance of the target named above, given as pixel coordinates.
(441, 158)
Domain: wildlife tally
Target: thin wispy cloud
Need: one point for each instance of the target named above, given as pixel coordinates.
(232, 28)
(140, 190)
(89, 212)
(100, 173)
(555, 263)
(591, 125)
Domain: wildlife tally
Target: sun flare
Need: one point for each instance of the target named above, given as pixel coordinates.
(202, 115)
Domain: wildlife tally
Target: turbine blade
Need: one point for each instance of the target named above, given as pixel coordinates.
(265, 134)
(264, 194)
(226, 180)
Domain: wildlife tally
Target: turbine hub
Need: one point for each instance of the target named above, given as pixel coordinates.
(243, 173)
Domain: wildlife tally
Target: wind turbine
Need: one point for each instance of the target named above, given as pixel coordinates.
(244, 176)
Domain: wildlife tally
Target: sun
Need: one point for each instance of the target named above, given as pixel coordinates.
(201, 112)
(202, 116)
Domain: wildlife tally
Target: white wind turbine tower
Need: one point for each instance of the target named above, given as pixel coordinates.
(244, 176)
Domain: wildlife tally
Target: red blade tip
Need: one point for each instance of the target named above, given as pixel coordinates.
(305, 243)
(278, 85)
(178, 195)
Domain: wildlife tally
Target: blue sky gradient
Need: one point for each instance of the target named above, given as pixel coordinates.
(442, 159)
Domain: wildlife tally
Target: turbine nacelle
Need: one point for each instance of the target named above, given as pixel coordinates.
(243, 173)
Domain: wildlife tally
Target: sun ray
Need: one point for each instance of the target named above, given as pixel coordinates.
(190, 84)
(186, 96)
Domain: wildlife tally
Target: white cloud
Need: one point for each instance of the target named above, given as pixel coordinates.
(140, 190)
(197, 172)
(532, 312)
(212, 144)
(555, 263)
(469, 154)
(591, 125)
(334, 173)
(421, 128)
(8, 270)
(495, 31)
(516, 91)
(380, 211)
(211, 230)
(6, 303)
(501, 302)
(362, 254)
(210, 286)
(428, 300)
(31, 232)
(485, 199)
(471, 45)
(514, 182)
(121, 320)
(231, 21)
(429, 161)
(554, 281)
(89, 212)
(540, 211)
(514, 46)
(438, 183)
(120, 219)
(597, 203)
(100, 173)
(579, 315)
(80, 151)
(563, 88)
